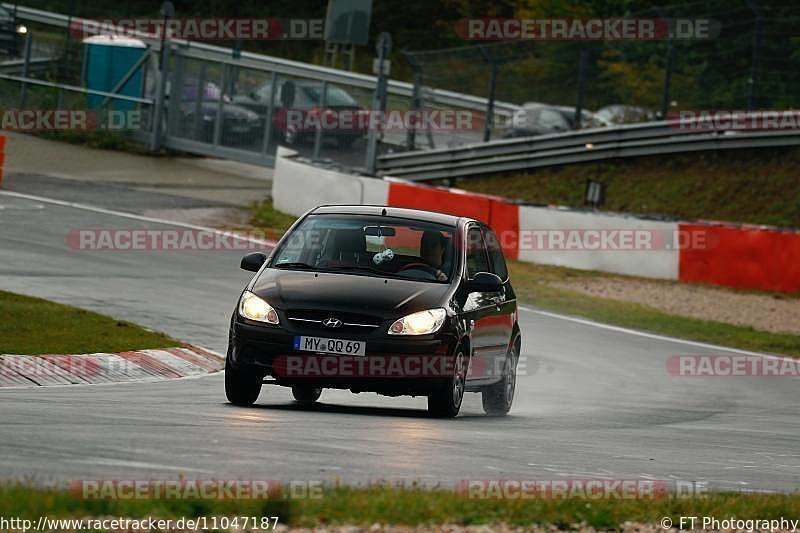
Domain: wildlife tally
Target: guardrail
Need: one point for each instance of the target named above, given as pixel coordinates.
(652, 138)
(285, 66)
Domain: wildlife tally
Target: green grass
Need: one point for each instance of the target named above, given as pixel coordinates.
(35, 326)
(272, 221)
(753, 186)
(532, 285)
(387, 505)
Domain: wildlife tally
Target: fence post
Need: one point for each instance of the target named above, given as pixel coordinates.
(167, 11)
(752, 96)
(23, 90)
(582, 61)
(487, 128)
(323, 103)
(416, 99)
(383, 47)
(665, 97)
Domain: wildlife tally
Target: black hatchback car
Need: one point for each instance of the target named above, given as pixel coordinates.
(378, 299)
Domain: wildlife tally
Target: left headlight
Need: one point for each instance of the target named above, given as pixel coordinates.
(420, 323)
(22, 29)
(254, 308)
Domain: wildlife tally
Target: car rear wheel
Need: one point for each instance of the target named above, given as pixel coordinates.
(497, 398)
(446, 401)
(241, 387)
(306, 395)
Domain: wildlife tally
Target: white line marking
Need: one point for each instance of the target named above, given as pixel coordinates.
(62, 203)
(600, 325)
(109, 461)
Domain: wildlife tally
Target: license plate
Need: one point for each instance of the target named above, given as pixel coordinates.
(239, 129)
(335, 346)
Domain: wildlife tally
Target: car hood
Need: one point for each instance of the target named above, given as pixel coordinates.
(384, 297)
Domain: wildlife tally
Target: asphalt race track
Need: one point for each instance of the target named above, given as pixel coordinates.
(595, 401)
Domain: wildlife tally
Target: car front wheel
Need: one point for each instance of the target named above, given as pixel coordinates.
(445, 402)
(241, 387)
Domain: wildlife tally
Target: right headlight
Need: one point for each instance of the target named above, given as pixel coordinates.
(255, 308)
(420, 323)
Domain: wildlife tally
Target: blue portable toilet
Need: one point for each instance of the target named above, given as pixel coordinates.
(107, 59)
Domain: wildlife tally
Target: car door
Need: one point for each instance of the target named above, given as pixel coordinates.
(480, 310)
(505, 301)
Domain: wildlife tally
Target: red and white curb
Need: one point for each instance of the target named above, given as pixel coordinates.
(97, 368)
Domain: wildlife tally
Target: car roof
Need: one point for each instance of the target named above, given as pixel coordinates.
(400, 212)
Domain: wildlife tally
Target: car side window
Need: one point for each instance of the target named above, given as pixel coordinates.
(496, 255)
(477, 260)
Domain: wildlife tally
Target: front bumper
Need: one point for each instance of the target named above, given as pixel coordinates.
(391, 365)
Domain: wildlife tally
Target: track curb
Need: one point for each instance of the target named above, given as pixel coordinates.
(103, 368)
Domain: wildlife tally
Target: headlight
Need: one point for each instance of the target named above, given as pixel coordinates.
(254, 308)
(22, 29)
(419, 323)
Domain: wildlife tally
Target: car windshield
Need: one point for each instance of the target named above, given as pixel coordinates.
(369, 246)
(335, 96)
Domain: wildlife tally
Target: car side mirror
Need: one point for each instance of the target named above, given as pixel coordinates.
(253, 262)
(485, 282)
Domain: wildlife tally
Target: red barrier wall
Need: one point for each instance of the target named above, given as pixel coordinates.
(744, 258)
(502, 216)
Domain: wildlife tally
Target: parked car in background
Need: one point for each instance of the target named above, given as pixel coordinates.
(535, 118)
(240, 126)
(11, 33)
(612, 115)
(305, 96)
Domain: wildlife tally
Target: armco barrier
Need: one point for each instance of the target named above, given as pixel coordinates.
(743, 257)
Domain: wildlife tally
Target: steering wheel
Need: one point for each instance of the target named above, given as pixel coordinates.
(420, 266)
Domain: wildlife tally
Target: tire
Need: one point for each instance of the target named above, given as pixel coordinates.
(241, 388)
(306, 395)
(446, 401)
(497, 398)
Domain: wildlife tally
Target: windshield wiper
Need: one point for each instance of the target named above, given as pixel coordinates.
(360, 267)
(294, 264)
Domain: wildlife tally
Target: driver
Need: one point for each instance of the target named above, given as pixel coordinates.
(431, 249)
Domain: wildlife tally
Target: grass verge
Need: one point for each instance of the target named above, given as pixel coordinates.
(274, 223)
(755, 186)
(407, 506)
(36, 326)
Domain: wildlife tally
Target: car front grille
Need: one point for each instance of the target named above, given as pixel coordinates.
(351, 322)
